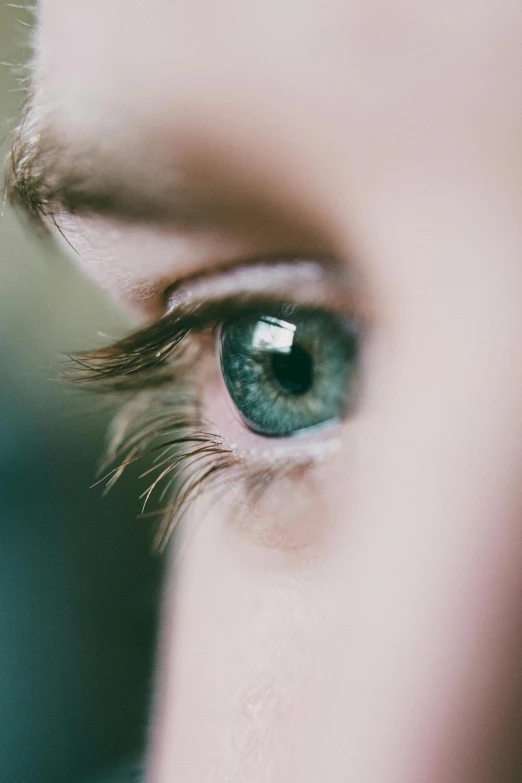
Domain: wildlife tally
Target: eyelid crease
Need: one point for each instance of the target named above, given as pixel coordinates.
(315, 281)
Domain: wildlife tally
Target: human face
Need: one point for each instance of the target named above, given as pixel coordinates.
(359, 620)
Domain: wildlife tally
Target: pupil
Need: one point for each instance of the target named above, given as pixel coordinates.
(293, 371)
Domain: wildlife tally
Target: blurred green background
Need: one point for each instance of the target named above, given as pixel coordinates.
(78, 583)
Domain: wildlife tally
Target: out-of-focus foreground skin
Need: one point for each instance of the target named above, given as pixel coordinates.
(388, 135)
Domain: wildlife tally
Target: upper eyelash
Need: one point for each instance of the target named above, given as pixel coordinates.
(139, 360)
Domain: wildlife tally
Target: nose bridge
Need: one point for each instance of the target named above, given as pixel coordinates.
(431, 617)
(444, 374)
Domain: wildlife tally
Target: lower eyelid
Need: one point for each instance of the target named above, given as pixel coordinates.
(278, 504)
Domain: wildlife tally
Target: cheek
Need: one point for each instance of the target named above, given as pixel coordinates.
(245, 622)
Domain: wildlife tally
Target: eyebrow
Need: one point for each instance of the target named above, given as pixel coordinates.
(47, 176)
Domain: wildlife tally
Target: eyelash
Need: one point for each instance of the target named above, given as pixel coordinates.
(150, 374)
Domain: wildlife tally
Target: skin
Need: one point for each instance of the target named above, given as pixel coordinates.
(388, 135)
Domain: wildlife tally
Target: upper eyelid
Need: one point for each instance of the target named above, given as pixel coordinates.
(203, 302)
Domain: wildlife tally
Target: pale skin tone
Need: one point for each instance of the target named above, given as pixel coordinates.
(384, 645)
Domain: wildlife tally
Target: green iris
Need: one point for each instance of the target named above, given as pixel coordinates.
(288, 370)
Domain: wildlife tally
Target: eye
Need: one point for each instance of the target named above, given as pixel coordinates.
(290, 369)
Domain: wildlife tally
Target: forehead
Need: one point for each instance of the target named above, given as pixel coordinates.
(186, 62)
(170, 51)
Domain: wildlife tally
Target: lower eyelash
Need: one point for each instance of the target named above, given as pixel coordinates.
(187, 457)
(189, 460)
(161, 419)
